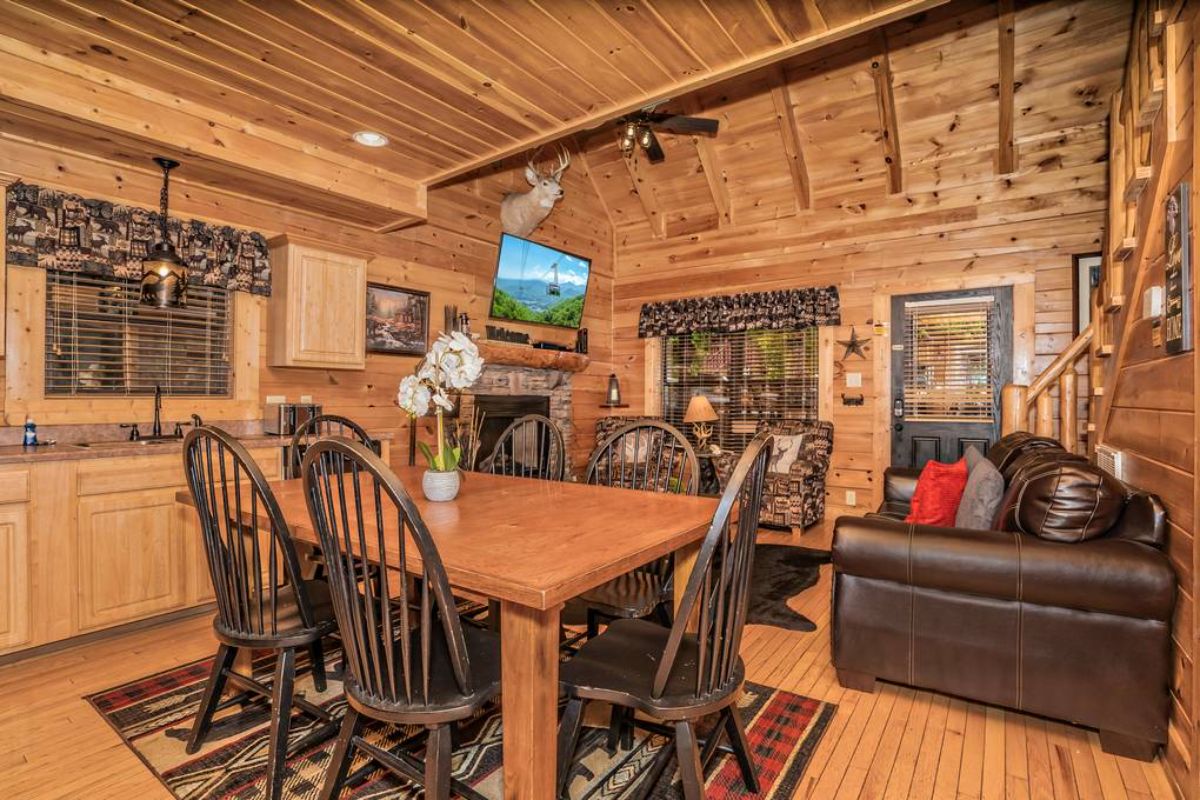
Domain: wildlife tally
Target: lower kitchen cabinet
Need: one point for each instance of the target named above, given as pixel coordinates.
(16, 606)
(131, 560)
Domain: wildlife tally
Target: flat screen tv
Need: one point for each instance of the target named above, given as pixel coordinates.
(538, 284)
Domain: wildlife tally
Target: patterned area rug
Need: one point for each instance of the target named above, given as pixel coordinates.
(153, 716)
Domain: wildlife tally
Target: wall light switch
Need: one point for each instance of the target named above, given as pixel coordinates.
(276, 398)
(853, 380)
(851, 497)
(306, 398)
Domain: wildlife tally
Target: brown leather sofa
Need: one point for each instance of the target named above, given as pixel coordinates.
(1063, 609)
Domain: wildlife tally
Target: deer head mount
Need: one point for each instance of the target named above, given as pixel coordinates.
(522, 212)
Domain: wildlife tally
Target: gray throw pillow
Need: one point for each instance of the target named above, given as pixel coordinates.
(973, 457)
(981, 497)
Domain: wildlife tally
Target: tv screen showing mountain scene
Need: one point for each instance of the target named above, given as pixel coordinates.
(539, 284)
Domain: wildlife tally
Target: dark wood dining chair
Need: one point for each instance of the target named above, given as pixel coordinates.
(674, 675)
(318, 427)
(532, 446)
(263, 601)
(409, 663)
(650, 456)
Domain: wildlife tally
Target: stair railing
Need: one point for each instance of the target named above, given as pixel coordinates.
(1017, 400)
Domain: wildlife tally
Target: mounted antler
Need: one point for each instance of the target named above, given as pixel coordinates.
(522, 212)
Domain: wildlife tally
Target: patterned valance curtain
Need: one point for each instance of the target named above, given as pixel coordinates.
(785, 309)
(61, 231)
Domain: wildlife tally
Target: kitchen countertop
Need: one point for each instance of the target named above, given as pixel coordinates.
(18, 454)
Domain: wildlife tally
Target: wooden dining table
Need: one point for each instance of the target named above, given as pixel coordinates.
(532, 545)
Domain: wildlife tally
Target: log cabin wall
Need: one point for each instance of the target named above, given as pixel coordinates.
(453, 257)
(1147, 409)
(796, 190)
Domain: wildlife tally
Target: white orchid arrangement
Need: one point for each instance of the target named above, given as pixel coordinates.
(452, 364)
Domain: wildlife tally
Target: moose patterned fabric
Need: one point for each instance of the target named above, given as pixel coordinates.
(785, 309)
(796, 498)
(51, 229)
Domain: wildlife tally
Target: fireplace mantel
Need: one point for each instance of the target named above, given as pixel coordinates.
(516, 355)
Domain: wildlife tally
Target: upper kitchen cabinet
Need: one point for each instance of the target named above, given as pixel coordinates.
(318, 306)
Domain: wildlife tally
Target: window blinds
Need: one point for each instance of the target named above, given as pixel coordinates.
(100, 340)
(947, 359)
(748, 376)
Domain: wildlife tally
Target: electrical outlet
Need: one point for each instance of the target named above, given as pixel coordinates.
(853, 380)
(851, 497)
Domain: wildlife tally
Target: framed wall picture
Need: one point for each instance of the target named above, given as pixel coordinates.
(397, 320)
(1086, 278)
(1177, 306)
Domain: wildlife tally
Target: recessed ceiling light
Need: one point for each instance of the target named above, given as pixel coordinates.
(370, 138)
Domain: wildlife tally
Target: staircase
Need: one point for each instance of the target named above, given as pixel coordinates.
(1031, 408)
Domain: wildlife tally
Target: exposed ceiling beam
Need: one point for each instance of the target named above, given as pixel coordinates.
(710, 162)
(130, 120)
(793, 149)
(636, 164)
(1006, 157)
(889, 132)
(814, 39)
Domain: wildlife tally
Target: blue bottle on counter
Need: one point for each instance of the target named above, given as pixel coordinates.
(30, 433)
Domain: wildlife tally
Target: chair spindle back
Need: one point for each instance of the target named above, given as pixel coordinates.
(718, 591)
(360, 508)
(531, 446)
(255, 571)
(319, 427)
(648, 455)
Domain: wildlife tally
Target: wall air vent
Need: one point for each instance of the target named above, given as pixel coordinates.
(1111, 460)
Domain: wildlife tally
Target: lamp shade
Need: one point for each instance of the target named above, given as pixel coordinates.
(700, 410)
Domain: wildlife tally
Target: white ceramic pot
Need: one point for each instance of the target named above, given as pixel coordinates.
(440, 486)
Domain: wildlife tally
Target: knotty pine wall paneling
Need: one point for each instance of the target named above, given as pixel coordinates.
(453, 257)
(1148, 406)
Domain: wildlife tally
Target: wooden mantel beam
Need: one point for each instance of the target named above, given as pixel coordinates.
(889, 132)
(41, 91)
(793, 148)
(1006, 157)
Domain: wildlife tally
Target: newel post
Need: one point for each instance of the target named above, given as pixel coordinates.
(1014, 413)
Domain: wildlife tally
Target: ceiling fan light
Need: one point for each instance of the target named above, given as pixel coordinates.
(631, 130)
(645, 138)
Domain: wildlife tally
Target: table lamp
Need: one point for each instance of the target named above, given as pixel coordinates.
(700, 413)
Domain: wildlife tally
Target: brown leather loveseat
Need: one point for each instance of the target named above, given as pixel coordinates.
(1062, 609)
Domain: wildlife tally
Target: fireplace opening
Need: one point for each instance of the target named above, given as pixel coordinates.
(501, 411)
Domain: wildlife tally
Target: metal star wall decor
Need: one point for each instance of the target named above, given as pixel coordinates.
(854, 345)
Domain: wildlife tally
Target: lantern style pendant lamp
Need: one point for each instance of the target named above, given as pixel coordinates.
(164, 276)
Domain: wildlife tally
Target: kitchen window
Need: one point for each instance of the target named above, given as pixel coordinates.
(101, 341)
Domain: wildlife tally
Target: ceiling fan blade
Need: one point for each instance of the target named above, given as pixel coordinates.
(654, 153)
(674, 123)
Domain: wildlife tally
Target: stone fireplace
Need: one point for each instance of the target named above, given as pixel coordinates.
(507, 392)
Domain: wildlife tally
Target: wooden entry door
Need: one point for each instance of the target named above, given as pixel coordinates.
(951, 354)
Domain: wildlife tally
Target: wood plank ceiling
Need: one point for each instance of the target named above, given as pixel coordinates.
(903, 116)
(261, 98)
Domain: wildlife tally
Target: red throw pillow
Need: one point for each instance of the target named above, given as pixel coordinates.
(939, 491)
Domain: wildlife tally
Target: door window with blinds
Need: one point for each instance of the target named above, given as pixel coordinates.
(100, 340)
(748, 377)
(947, 360)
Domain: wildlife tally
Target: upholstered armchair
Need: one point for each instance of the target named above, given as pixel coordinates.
(795, 498)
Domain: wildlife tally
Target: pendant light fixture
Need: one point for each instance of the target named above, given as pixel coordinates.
(164, 276)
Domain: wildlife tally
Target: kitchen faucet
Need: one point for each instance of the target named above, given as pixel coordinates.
(156, 430)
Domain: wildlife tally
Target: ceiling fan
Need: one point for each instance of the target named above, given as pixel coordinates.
(638, 129)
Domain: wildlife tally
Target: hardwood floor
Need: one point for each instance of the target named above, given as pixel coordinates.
(895, 743)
